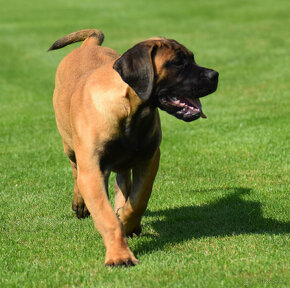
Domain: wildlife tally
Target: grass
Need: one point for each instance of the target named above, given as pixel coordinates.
(219, 213)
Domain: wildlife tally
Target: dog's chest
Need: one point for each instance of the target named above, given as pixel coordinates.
(125, 153)
(135, 143)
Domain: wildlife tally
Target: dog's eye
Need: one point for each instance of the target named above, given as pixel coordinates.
(178, 62)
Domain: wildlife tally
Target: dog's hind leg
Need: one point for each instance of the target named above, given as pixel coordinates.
(78, 204)
(123, 186)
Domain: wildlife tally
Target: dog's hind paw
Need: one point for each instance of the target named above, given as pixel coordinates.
(81, 210)
(136, 232)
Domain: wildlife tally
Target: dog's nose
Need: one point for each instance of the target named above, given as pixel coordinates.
(212, 75)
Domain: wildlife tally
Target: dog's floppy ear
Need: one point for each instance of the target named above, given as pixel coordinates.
(136, 69)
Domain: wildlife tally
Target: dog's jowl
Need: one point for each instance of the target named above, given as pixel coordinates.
(106, 109)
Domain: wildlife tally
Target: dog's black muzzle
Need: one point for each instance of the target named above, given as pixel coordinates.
(206, 82)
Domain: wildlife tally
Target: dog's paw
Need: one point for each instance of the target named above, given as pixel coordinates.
(121, 258)
(80, 209)
(135, 232)
(131, 225)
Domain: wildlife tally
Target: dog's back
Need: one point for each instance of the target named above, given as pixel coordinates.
(81, 60)
(77, 65)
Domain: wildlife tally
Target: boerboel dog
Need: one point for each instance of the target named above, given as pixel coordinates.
(106, 112)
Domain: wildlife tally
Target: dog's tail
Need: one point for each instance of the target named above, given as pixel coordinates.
(76, 37)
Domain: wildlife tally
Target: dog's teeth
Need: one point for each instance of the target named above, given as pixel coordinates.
(192, 108)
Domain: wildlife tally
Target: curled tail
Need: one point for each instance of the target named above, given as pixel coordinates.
(76, 37)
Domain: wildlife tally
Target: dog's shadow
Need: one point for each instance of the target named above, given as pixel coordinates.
(227, 216)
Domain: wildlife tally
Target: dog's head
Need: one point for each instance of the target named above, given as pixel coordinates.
(164, 73)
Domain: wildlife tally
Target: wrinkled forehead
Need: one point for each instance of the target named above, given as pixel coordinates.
(168, 47)
(168, 50)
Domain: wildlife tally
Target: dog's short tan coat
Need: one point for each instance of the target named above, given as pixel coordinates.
(106, 125)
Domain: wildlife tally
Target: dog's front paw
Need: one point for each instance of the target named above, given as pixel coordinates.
(81, 209)
(121, 257)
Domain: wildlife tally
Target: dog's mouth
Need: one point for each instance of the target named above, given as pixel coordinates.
(186, 109)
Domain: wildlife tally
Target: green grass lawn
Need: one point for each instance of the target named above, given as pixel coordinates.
(219, 212)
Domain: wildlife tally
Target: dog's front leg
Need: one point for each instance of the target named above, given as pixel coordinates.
(91, 183)
(143, 177)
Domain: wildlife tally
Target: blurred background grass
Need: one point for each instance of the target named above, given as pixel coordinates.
(219, 213)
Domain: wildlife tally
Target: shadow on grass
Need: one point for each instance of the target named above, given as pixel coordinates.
(230, 215)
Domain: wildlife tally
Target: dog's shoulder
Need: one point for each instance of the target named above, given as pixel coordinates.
(101, 94)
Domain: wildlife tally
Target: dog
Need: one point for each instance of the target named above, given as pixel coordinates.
(106, 110)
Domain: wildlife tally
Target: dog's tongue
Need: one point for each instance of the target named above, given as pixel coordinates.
(196, 103)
